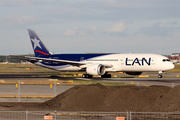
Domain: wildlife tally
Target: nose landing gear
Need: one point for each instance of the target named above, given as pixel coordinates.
(160, 74)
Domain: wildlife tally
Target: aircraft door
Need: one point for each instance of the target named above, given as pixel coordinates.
(122, 62)
(153, 61)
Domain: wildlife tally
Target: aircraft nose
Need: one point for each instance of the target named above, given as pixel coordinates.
(171, 66)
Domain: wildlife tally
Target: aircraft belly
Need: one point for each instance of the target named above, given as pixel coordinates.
(140, 68)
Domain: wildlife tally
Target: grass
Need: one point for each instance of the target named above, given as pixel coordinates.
(176, 69)
(22, 68)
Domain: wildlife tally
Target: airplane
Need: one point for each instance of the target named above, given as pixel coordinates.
(98, 63)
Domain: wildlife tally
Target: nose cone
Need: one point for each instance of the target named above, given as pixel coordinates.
(171, 66)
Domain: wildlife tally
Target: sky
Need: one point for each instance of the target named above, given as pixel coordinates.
(91, 26)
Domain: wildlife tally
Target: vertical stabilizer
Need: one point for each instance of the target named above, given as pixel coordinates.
(38, 46)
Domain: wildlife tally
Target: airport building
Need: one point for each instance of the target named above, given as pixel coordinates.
(175, 58)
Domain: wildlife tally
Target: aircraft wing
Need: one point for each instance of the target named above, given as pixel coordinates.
(74, 63)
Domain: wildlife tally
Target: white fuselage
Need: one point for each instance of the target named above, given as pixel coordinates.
(122, 62)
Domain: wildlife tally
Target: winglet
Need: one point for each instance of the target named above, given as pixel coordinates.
(38, 46)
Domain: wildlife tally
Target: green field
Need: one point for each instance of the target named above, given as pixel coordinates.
(22, 68)
(176, 69)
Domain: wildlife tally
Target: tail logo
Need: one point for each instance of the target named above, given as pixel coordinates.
(36, 43)
(41, 52)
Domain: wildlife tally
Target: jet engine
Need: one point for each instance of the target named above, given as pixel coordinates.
(133, 73)
(96, 69)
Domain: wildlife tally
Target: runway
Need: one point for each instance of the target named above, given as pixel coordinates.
(46, 90)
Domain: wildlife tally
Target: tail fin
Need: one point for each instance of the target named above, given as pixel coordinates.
(38, 46)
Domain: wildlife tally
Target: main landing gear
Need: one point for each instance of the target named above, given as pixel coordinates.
(106, 75)
(160, 74)
(86, 76)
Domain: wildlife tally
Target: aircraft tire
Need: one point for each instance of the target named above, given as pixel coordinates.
(106, 76)
(90, 76)
(86, 76)
(160, 76)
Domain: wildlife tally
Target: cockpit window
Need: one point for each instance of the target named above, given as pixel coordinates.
(164, 60)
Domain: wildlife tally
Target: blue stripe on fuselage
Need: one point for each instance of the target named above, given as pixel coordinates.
(70, 57)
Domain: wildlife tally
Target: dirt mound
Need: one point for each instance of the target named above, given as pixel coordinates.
(97, 97)
(169, 101)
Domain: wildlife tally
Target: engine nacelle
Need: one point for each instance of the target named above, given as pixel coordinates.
(133, 73)
(96, 69)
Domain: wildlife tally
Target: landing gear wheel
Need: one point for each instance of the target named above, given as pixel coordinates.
(106, 75)
(160, 76)
(86, 76)
(90, 76)
(83, 76)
